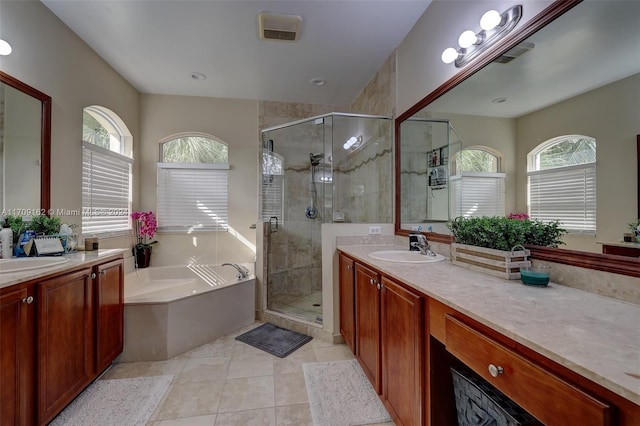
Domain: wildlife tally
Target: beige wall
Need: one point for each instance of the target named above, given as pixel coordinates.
(232, 121)
(609, 114)
(50, 57)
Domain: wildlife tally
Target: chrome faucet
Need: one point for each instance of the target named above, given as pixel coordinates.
(420, 242)
(243, 272)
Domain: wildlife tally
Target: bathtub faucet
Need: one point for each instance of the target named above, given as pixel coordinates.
(243, 272)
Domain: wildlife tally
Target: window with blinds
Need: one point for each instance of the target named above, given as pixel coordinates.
(562, 182)
(478, 194)
(567, 194)
(106, 189)
(192, 196)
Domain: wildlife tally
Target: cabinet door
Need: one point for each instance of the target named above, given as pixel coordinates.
(347, 302)
(65, 340)
(402, 353)
(16, 358)
(368, 323)
(109, 290)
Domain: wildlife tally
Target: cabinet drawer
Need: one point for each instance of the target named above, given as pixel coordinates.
(549, 398)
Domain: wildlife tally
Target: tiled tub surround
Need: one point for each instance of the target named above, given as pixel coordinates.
(171, 309)
(595, 336)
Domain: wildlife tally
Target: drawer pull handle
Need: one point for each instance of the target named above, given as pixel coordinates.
(495, 371)
(379, 286)
(28, 300)
(348, 266)
(372, 281)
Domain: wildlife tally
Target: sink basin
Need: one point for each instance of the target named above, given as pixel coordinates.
(28, 263)
(405, 256)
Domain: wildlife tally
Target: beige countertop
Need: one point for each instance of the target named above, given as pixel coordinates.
(75, 260)
(595, 336)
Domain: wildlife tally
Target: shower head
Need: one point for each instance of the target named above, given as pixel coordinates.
(315, 158)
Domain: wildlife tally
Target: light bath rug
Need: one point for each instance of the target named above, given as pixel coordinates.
(340, 395)
(113, 402)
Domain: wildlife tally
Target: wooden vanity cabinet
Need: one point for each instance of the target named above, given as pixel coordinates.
(57, 335)
(402, 334)
(347, 301)
(109, 300)
(17, 357)
(65, 337)
(367, 322)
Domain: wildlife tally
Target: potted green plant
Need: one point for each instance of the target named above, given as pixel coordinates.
(44, 225)
(144, 227)
(496, 244)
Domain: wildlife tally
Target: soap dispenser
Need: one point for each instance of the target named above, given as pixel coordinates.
(6, 239)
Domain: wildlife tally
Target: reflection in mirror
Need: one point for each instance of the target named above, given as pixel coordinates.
(19, 150)
(427, 146)
(568, 73)
(25, 138)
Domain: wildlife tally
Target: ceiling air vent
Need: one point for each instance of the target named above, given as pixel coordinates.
(279, 27)
(514, 53)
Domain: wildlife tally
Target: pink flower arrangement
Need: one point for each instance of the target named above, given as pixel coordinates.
(518, 216)
(144, 227)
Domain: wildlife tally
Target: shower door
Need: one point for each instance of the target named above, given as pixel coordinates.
(296, 199)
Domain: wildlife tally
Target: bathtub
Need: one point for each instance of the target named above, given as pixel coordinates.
(169, 310)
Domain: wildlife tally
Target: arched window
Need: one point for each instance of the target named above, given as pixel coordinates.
(106, 173)
(562, 182)
(192, 183)
(477, 185)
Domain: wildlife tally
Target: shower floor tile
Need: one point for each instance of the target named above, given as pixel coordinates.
(306, 306)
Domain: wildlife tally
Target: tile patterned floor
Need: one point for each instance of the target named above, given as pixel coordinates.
(305, 306)
(227, 382)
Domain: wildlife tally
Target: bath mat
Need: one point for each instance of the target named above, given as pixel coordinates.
(111, 402)
(340, 394)
(273, 339)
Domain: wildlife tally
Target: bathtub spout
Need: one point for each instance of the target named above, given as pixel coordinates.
(242, 271)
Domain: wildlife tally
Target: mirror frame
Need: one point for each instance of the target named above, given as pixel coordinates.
(602, 262)
(45, 136)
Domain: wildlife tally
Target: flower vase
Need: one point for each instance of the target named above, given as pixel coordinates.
(142, 256)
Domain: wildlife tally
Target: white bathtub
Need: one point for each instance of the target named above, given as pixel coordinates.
(172, 309)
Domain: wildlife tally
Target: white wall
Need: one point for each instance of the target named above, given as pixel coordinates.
(419, 68)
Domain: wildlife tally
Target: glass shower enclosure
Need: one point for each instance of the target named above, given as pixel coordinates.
(335, 168)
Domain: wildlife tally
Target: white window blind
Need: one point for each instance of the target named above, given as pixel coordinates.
(567, 194)
(106, 185)
(478, 194)
(192, 196)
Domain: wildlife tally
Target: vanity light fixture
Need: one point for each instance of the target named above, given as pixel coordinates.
(494, 27)
(352, 142)
(5, 48)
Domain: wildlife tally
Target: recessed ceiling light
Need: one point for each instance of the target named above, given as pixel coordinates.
(499, 100)
(5, 48)
(198, 76)
(318, 81)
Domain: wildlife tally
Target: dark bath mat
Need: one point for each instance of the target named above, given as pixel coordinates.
(273, 339)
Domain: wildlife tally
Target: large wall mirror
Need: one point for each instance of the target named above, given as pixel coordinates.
(574, 70)
(25, 148)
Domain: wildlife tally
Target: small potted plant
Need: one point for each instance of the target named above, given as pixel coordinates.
(144, 227)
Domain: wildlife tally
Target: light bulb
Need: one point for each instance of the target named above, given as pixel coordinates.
(490, 20)
(5, 48)
(466, 39)
(449, 55)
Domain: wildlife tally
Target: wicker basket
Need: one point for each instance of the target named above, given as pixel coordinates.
(480, 404)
